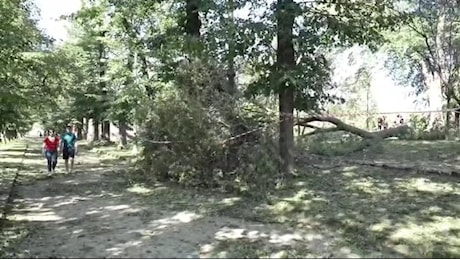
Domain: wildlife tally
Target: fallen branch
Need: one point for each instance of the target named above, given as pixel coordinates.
(342, 126)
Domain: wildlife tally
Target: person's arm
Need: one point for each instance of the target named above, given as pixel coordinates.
(44, 146)
(76, 144)
(59, 145)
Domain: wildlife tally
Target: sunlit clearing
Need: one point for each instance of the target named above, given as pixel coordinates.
(350, 168)
(349, 174)
(138, 189)
(274, 238)
(230, 201)
(434, 230)
(426, 185)
(118, 207)
(117, 250)
(37, 216)
(369, 185)
(181, 217)
(425, 236)
(385, 224)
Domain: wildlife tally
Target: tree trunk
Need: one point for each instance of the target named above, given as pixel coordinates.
(192, 22)
(457, 119)
(103, 88)
(95, 129)
(285, 61)
(80, 129)
(106, 130)
(122, 126)
(85, 126)
(448, 106)
(231, 48)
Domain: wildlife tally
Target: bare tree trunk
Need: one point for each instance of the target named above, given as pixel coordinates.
(447, 123)
(285, 61)
(122, 127)
(457, 120)
(95, 129)
(231, 48)
(106, 130)
(85, 126)
(80, 129)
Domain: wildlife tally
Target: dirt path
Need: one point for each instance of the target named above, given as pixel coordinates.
(96, 213)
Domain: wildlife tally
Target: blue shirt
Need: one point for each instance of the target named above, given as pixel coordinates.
(69, 140)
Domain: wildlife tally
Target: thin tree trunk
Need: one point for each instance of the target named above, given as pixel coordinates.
(285, 62)
(231, 48)
(95, 129)
(85, 126)
(80, 129)
(122, 126)
(106, 130)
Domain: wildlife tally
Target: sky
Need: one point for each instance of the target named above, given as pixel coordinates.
(50, 11)
(390, 97)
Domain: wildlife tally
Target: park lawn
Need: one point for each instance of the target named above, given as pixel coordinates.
(437, 151)
(367, 212)
(344, 211)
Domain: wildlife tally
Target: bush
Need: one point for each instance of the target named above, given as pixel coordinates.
(421, 130)
(186, 139)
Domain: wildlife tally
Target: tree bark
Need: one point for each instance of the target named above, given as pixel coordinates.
(122, 126)
(285, 62)
(80, 129)
(192, 22)
(106, 130)
(231, 48)
(85, 126)
(95, 129)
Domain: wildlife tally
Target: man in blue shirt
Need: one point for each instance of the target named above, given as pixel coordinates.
(68, 148)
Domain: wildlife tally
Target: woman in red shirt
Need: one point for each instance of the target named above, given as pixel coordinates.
(50, 150)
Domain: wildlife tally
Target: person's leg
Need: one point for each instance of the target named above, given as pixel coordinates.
(48, 159)
(72, 158)
(53, 166)
(65, 156)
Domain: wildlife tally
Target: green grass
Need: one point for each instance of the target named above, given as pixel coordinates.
(369, 211)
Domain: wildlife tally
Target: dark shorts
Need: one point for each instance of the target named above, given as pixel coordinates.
(68, 153)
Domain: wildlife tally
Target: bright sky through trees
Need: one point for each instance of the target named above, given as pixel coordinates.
(389, 96)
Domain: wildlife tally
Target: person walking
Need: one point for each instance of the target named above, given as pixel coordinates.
(51, 150)
(69, 148)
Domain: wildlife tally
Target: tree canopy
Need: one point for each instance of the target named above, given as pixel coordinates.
(199, 76)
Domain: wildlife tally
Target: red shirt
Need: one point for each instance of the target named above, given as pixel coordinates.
(51, 146)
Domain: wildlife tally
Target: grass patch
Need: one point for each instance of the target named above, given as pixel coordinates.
(246, 248)
(370, 211)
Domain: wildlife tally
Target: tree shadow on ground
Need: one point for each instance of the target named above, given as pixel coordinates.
(97, 216)
(372, 212)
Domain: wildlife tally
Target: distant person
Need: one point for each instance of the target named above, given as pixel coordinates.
(385, 122)
(69, 148)
(380, 123)
(50, 150)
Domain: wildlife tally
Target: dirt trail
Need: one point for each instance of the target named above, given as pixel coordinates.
(91, 214)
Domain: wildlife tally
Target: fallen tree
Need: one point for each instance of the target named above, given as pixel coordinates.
(370, 137)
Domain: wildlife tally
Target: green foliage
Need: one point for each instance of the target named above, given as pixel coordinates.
(21, 73)
(422, 130)
(187, 138)
(132, 63)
